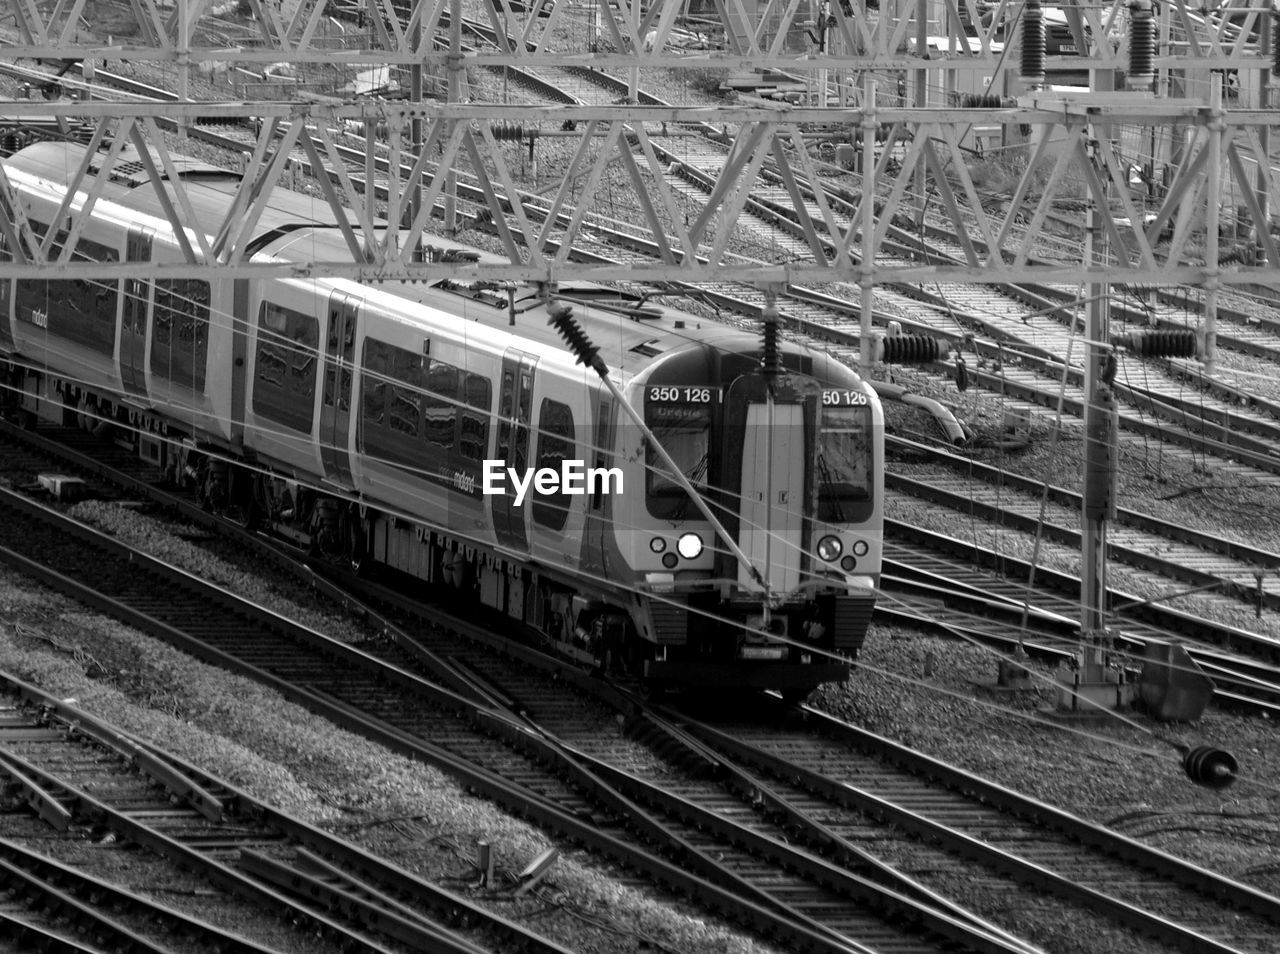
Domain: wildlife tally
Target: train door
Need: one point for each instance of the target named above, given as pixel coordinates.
(515, 402)
(133, 321)
(6, 295)
(599, 513)
(772, 522)
(335, 406)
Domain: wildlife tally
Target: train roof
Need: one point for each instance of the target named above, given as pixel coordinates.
(58, 162)
(628, 330)
(630, 333)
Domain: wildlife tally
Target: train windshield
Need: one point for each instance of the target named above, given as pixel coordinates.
(844, 462)
(684, 431)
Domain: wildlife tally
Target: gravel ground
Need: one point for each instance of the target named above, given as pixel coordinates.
(928, 692)
(409, 812)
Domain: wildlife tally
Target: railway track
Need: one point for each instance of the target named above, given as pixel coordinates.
(749, 877)
(1200, 559)
(958, 574)
(823, 767)
(520, 688)
(217, 843)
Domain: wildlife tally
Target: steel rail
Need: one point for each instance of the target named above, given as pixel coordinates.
(134, 827)
(195, 786)
(1007, 517)
(988, 793)
(691, 874)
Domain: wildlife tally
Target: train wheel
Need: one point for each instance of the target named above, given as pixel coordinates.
(242, 504)
(456, 570)
(794, 697)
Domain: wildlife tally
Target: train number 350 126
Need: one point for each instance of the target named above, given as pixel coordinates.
(674, 395)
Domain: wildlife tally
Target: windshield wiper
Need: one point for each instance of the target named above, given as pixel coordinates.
(824, 475)
(695, 476)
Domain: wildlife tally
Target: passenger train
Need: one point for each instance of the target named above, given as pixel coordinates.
(367, 421)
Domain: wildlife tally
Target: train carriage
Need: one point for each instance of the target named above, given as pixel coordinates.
(389, 424)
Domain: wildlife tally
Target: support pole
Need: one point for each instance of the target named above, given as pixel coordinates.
(869, 123)
(415, 133)
(633, 74)
(455, 96)
(184, 60)
(1211, 251)
(1093, 684)
(1264, 140)
(1093, 576)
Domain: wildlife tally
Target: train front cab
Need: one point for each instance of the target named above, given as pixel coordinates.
(793, 471)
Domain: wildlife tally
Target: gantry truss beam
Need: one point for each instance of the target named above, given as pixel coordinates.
(753, 34)
(1076, 155)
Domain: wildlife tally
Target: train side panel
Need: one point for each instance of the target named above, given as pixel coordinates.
(422, 424)
(70, 325)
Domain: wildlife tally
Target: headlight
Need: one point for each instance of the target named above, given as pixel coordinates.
(657, 544)
(848, 564)
(689, 545)
(829, 548)
(860, 548)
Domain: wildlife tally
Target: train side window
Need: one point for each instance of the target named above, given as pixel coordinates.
(473, 432)
(284, 388)
(80, 310)
(404, 400)
(408, 400)
(440, 405)
(391, 407)
(555, 445)
(180, 331)
(373, 384)
(844, 464)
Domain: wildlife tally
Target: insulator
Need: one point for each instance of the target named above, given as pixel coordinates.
(1142, 45)
(772, 361)
(561, 318)
(1161, 343)
(1101, 451)
(909, 349)
(1210, 767)
(981, 101)
(1033, 43)
(512, 133)
(1109, 368)
(962, 374)
(1275, 40)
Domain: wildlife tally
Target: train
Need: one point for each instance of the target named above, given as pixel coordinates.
(438, 432)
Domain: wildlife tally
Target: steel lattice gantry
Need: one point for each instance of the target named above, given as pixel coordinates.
(885, 84)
